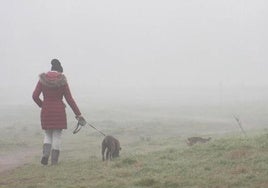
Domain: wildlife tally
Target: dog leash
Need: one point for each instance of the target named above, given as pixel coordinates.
(83, 122)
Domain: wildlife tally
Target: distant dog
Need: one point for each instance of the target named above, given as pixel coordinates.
(112, 147)
(193, 140)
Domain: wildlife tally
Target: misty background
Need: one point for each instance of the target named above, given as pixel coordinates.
(174, 52)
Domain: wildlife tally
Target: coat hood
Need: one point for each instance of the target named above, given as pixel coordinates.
(53, 79)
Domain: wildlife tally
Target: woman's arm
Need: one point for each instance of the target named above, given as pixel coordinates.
(70, 100)
(36, 94)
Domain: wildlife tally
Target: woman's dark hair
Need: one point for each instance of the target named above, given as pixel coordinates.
(56, 66)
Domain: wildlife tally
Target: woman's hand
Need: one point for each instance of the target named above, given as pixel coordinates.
(81, 120)
(79, 116)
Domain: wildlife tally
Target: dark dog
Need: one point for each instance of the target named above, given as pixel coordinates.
(112, 147)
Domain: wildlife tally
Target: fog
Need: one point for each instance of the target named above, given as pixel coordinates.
(142, 51)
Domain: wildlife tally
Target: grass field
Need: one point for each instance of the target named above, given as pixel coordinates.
(154, 152)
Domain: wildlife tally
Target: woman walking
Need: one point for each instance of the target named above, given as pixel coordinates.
(53, 85)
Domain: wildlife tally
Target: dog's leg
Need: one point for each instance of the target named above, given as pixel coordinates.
(112, 150)
(103, 159)
(110, 155)
(103, 150)
(108, 152)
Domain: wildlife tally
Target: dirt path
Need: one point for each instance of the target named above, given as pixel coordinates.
(16, 158)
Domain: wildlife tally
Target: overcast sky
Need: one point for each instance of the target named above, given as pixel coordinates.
(141, 43)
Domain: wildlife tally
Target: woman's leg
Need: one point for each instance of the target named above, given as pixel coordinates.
(48, 136)
(56, 139)
(56, 143)
(46, 146)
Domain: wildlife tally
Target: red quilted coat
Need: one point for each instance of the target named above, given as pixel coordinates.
(53, 85)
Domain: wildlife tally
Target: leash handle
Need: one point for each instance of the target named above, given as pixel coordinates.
(77, 129)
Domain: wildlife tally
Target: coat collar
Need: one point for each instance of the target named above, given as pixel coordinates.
(53, 79)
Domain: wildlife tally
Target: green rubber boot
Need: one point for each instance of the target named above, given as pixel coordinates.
(46, 153)
(55, 156)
